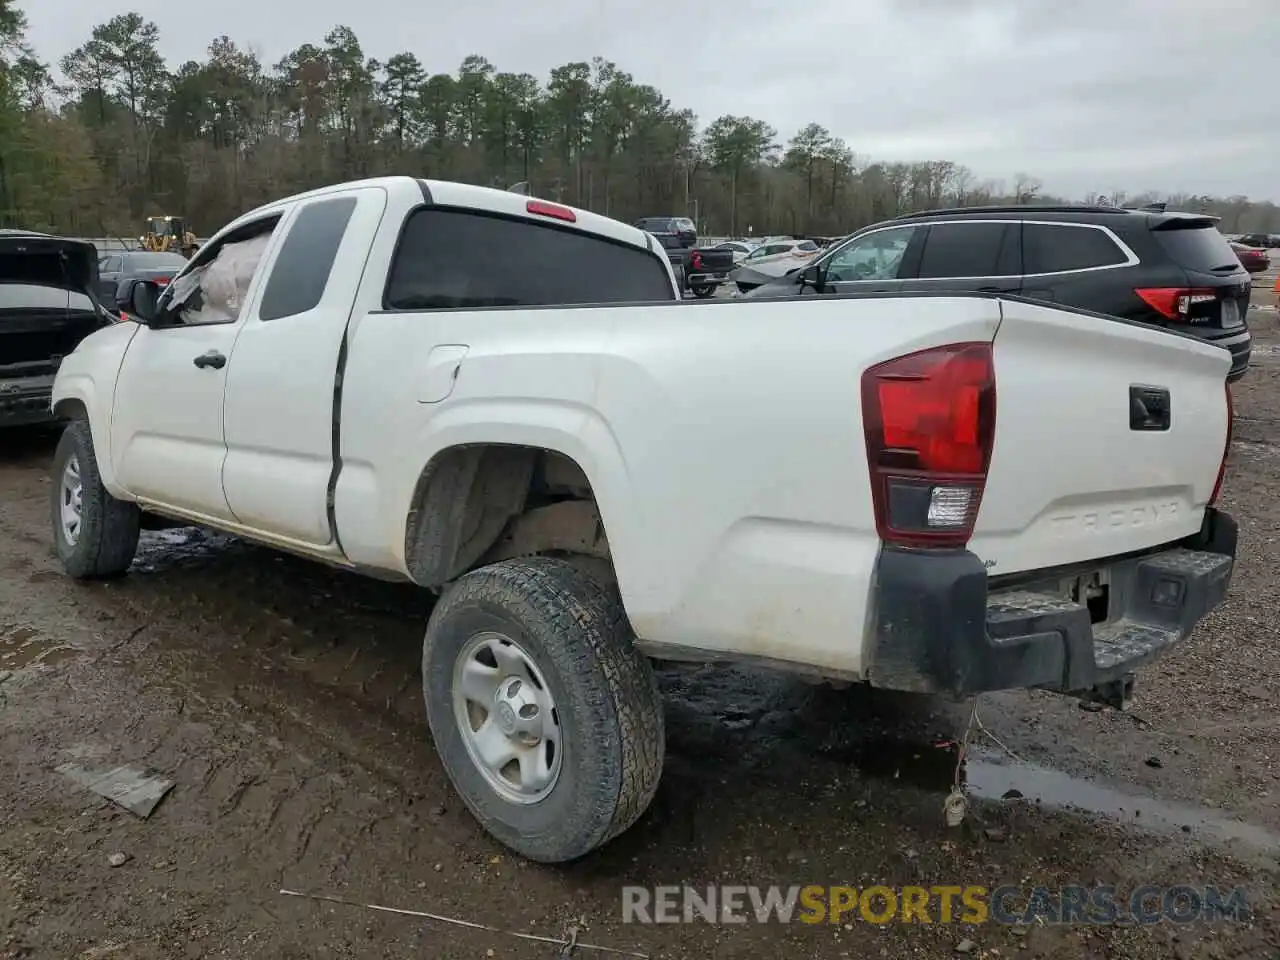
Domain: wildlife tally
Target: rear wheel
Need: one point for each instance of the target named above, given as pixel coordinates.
(547, 720)
(94, 534)
(703, 292)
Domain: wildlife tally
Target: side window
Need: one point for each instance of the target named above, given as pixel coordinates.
(110, 265)
(876, 256)
(463, 259)
(962, 250)
(302, 267)
(213, 290)
(1052, 248)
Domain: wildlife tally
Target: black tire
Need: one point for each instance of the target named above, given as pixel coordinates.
(606, 699)
(108, 533)
(702, 292)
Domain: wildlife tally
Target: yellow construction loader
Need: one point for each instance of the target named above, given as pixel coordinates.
(169, 234)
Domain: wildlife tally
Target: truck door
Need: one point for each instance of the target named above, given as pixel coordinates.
(280, 401)
(167, 424)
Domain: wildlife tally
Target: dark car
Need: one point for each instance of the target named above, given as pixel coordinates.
(1262, 241)
(1172, 270)
(1251, 258)
(135, 265)
(47, 306)
(699, 270)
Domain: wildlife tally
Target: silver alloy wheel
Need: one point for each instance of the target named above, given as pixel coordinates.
(70, 498)
(507, 717)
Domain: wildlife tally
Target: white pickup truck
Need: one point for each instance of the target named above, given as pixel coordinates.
(504, 400)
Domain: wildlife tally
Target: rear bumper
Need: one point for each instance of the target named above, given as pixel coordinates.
(937, 628)
(26, 401)
(707, 279)
(1239, 343)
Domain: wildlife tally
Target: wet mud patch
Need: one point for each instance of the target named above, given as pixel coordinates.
(23, 647)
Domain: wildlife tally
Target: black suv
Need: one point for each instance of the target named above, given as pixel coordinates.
(1170, 269)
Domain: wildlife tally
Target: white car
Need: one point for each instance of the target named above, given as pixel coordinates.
(774, 258)
(739, 248)
(929, 493)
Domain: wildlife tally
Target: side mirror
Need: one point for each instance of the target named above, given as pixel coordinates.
(813, 275)
(139, 298)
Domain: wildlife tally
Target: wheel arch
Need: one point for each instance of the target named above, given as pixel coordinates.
(476, 500)
(75, 398)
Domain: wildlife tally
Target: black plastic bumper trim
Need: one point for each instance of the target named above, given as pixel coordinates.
(937, 628)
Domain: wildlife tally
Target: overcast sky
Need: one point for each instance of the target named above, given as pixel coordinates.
(1088, 95)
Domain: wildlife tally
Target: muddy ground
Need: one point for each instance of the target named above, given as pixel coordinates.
(283, 700)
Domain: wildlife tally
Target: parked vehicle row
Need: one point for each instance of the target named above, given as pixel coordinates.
(698, 270)
(1262, 241)
(903, 490)
(1252, 259)
(114, 267)
(774, 258)
(1169, 270)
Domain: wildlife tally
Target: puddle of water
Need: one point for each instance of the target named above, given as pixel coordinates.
(932, 767)
(23, 647)
(1056, 789)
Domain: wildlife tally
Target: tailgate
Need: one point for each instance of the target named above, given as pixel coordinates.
(713, 261)
(1077, 471)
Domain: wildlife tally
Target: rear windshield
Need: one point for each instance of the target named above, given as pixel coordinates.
(1200, 248)
(656, 225)
(463, 259)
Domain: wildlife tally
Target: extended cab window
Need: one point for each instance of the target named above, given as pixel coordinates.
(876, 256)
(958, 250)
(1053, 248)
(464, 259)
(302, 267)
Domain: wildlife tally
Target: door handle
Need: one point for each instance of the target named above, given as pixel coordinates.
(211, 358)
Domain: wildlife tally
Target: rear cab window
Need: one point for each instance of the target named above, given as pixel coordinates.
(446, 260)
(1063, 247)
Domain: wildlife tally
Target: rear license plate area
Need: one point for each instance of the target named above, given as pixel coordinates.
(1231, 313)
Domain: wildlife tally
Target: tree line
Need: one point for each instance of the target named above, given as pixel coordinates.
(116, 135)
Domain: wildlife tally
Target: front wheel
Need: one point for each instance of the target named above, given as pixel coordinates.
(547, 719)
(95, 535)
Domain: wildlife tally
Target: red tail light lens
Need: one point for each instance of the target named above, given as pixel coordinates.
(695, 260)
(929, 422)
(540, 208)
(162, 281)
(1222, 467)
(1175, 303)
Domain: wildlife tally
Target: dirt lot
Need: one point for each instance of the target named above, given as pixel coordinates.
(283, 700)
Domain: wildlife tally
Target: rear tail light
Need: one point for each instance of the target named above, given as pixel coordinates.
(1222, 467)
(1175, 303)
(162, 281)
(540, 208)
(929, 420)
(695, 260)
